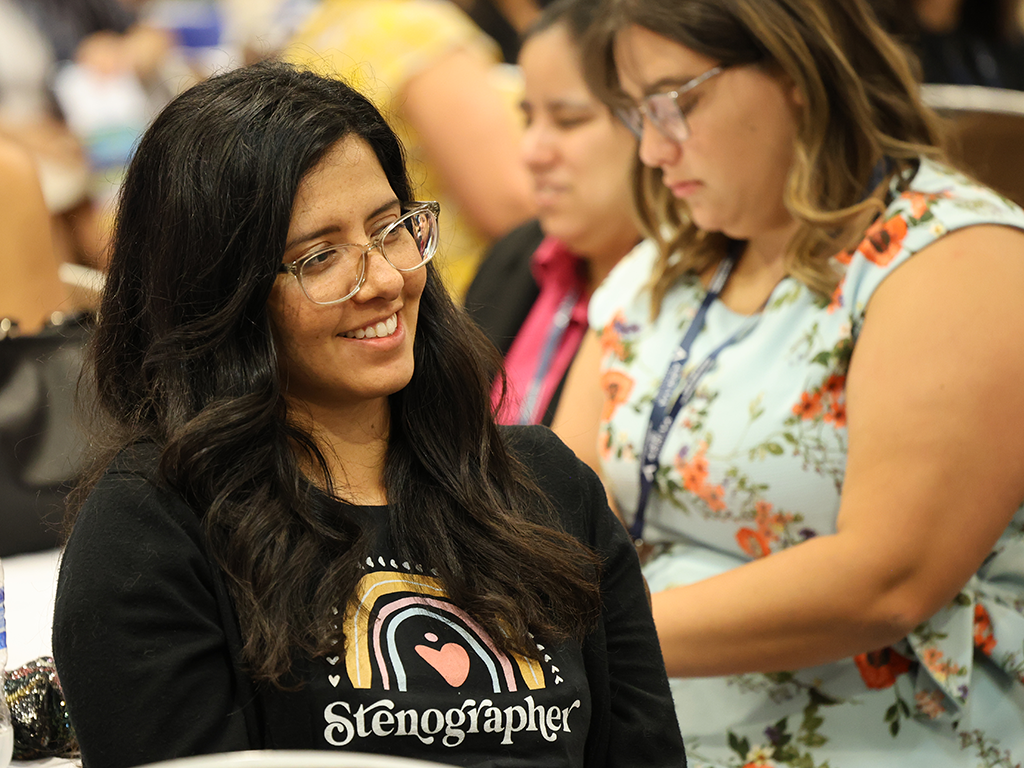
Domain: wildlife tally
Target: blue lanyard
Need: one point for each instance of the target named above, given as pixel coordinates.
(663, 416)
(560, 325)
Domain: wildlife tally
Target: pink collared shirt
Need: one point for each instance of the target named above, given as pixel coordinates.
(560, 274)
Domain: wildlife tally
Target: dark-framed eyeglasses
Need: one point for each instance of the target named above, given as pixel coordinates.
(335, 273)
(664, 110)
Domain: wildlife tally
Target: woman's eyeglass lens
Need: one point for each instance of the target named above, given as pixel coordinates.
(664, 111)
(336, 273)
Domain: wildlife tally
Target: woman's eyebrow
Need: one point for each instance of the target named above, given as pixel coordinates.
(331, 228)
(667, 84)
(568, 104)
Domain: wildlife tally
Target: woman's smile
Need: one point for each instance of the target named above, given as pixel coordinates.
(378, 330)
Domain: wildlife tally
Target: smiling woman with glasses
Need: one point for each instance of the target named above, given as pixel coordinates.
(803, 391)
(304, 529)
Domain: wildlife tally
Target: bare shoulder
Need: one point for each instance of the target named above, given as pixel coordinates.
(934, 381)
(977, 269)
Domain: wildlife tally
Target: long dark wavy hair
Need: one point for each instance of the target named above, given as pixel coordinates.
(184, 358)
(862, 105)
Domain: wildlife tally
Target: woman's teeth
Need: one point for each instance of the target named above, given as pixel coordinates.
(377, 331)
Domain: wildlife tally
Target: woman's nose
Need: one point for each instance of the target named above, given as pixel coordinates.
(536, 149)
(382, 280)
(656, 149)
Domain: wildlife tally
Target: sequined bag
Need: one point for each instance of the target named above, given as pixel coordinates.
(39, 715)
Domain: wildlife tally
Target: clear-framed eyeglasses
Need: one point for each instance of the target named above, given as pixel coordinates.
(335, 273)
(664, 110)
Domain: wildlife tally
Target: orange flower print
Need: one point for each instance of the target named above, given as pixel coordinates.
(762, 511)
(809, 405)
(604, 443)
(920, 201)
(714, 497)
(837, 414)
(754, 543)
(610, 337)
(879, 669)
(693, 478)
(759, 757)
(695, 475)
(883, 240)
(984, 640)
(695, 471)
(616, 386)
(930, 703)
(836, 302)
(939, 669)
(834, 385)
(770, 525)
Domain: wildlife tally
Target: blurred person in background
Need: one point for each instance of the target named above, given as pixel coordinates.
(803, 392)
(31, 289)
(962, 42)
(436, 77)
(38, 39)
(531, 292)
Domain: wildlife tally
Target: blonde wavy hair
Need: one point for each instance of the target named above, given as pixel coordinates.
(862, 111)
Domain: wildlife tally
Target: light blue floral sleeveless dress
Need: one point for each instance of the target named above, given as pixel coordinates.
(755, 463)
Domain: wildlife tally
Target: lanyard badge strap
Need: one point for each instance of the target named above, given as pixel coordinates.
(560, 324)
(663, 415)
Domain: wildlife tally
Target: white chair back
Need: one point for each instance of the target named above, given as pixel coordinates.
(293, 759)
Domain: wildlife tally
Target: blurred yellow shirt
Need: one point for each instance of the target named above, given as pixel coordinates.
(378, 46)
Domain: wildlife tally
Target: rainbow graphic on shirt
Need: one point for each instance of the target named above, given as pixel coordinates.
(386, 599)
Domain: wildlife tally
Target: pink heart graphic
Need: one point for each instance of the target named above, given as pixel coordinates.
(451, 662)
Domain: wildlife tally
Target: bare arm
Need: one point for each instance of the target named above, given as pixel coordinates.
(471, 134)
(30, 289)
(579, 408)
(935, 473)
(578, 415)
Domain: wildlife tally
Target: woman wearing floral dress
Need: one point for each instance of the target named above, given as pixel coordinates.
(810, 405)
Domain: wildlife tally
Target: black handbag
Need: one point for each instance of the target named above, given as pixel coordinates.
(42, 445)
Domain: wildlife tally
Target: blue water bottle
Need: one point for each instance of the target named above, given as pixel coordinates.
(6, 732)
